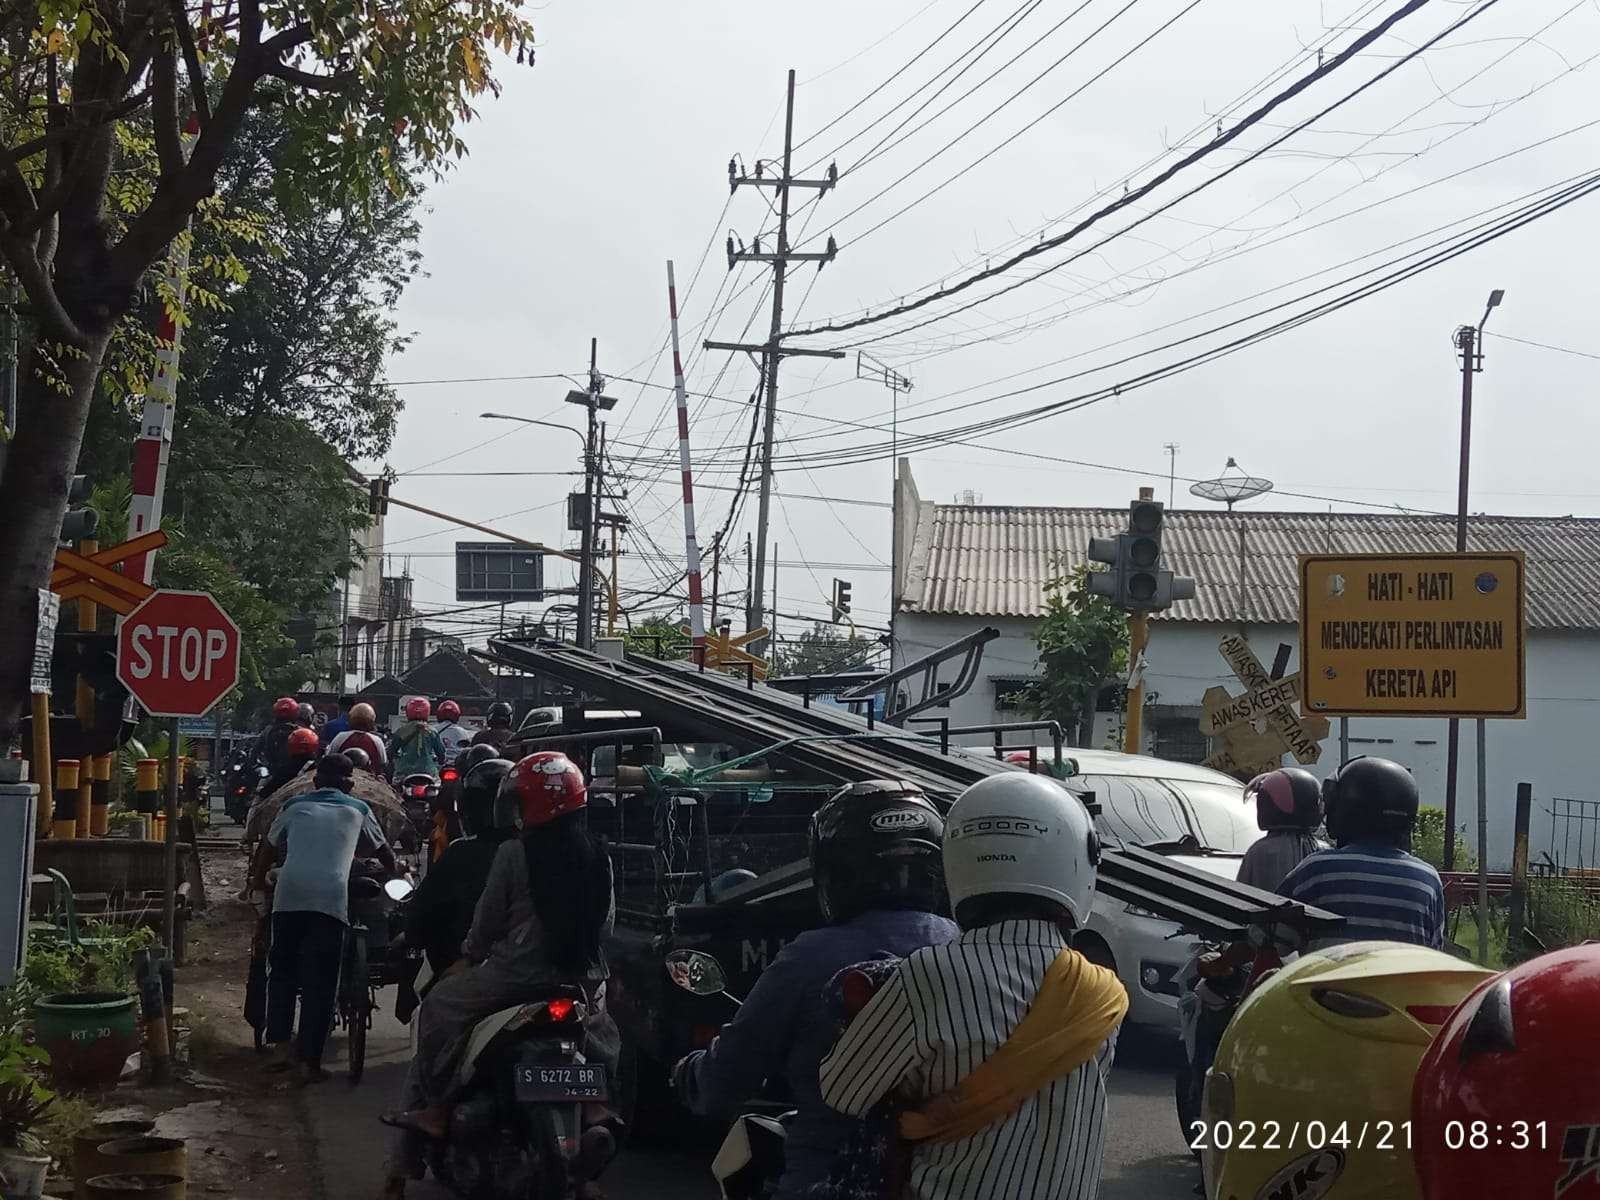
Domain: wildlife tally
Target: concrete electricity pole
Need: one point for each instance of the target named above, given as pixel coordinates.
(594, 402)
(772, 351)
(1469, 340)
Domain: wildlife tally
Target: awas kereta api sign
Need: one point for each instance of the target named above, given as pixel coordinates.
(1435, 635)
(178, 654)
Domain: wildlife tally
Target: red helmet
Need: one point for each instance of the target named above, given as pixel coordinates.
(304, 743)
(285, 708)
(417, 709)
(449, 710)
(1505, 1102)
(546, 785)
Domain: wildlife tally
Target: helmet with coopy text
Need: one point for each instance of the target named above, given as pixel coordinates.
(876, 845)
(1021, 835)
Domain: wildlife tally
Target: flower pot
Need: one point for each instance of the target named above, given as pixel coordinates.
(89, 1036)
(22, 1175)
(86, 1159)
(136, 1187)
(143, 1156)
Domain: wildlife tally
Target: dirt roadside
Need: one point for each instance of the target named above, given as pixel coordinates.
(246, 1139)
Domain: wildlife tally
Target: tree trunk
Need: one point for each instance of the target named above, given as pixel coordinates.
(33, 497)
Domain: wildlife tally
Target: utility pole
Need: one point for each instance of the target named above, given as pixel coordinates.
(1172, 473)
(593, 401)
(1468, 340)
(772, 351)
(716, 564)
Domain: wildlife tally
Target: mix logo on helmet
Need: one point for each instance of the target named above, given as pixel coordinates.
(1308, 1177)
(897, 819)
(999, 827)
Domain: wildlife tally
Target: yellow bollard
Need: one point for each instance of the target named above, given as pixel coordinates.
(65, 824)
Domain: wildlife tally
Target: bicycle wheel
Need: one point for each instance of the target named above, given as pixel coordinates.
(356, 1003)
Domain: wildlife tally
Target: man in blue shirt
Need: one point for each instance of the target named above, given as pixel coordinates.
(1384, 892)
(319, 835)
(877, 866)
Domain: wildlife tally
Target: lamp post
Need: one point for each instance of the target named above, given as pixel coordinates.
(1469, 341)
(585, 630)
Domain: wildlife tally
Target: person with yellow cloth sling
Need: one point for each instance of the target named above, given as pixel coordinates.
(996, 1047)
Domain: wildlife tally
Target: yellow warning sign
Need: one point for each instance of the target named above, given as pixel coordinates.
(1429, 635)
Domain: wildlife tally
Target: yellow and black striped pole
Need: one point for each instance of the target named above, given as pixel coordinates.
(65, 823)
(147, 793)
(100, 797)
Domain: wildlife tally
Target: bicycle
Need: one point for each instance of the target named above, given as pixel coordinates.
(357, 1000)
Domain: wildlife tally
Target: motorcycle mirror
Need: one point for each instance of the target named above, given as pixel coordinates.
(398, 889)
(697, 972)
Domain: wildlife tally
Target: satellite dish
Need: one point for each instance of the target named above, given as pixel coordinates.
(1232, 486)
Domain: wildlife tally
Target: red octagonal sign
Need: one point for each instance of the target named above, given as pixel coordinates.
(178, 654)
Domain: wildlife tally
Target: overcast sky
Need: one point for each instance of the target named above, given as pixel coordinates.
(610, 156)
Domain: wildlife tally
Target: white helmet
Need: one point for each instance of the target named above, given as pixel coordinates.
(1021, 834)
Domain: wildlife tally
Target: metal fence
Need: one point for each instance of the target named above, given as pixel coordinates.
(1574, 834)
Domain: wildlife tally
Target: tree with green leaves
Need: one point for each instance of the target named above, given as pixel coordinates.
(1083, 645)
(371, 92)
(659, 637)
(821, 651)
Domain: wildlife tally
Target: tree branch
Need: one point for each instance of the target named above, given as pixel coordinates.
(336, 82)
(164, 114)
(40, 290)
(295, 35)
(191, 58)
(28, 149)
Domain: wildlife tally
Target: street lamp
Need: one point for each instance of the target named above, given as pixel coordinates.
(534, 421)
(1469, 340)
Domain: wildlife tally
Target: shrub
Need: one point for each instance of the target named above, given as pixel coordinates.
(1427, 841)
(1560, 913)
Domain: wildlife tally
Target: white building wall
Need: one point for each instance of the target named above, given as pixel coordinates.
(1549, 749)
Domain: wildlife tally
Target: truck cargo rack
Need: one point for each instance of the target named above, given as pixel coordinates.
(841, 747)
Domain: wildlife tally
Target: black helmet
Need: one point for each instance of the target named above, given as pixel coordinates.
(877, 844)
(1288, 798)
(305, 714)
(499, 715)
(1371, 797)
(470, 756)
(359, 758)
(475, 802)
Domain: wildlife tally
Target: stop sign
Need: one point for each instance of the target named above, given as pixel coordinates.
(178, 653)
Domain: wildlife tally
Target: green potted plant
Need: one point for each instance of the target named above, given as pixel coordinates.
(23, 1104)
(84, 1014)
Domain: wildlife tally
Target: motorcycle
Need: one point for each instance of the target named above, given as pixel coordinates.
(419, 795)
(750, 1161)
(518, 1129)
(1206, 1003)
(239, 790)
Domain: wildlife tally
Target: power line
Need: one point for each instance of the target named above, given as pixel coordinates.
(1133, 196)
(1506, 337)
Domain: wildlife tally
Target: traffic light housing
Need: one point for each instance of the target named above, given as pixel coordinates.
(1136, 580)
(79, 523)
(378, 497)
(841, 601)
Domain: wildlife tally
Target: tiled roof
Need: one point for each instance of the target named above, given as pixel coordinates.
(989, 561)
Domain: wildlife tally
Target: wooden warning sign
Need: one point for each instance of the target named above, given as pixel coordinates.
(1259, 726)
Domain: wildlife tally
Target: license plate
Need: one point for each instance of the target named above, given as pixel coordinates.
(561, 1081)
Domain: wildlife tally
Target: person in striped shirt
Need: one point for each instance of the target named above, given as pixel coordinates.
(1370, 877)
(996, 1047)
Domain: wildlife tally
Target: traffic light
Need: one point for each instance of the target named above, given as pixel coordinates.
(378, 497)
(841, 601)
(79, 524)
(1137, 582)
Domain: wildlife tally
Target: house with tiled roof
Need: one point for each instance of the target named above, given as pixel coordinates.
(960, 567)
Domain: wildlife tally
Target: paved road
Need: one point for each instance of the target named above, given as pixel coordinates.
(1145, 1159)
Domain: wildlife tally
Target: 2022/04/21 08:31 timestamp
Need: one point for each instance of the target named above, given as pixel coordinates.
(1374, 1135)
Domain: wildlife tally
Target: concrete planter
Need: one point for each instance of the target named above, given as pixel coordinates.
(89, 1036)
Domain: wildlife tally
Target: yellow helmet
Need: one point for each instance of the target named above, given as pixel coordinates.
(1310, 1092)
